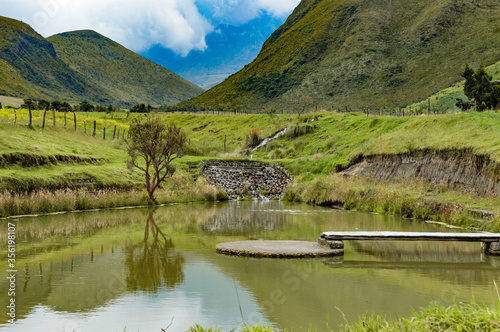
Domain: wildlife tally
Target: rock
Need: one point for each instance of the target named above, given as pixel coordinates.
(236, 178)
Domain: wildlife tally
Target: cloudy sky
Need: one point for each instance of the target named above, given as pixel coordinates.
(180, 25)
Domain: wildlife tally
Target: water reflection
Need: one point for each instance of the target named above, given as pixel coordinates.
(139, 268)
(248, 218)
(153, 265)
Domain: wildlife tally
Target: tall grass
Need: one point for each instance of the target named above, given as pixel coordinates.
(45, 201)
(412, 199)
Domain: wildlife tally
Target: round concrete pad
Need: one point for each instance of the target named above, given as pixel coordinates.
(276, 249)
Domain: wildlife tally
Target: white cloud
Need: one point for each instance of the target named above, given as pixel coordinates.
(139, 24)
(175, 24)
(278, 7)
(242, 11)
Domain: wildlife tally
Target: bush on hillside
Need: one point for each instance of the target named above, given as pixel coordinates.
(252, 139)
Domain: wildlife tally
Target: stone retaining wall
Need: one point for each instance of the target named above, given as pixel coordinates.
(246, 178)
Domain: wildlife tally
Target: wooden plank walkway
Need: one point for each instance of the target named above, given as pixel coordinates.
(412, 236)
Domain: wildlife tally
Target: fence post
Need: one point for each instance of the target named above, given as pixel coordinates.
(54, 117)
(104, 133)
(225, 143)
(429, 106)
(43, 121)
(65, 119)
(114, 132)
(95, 125)
(84, 127)
(74, 119)
(118, 134)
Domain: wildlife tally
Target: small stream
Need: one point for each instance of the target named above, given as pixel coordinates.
(269, 139)
(92, 271)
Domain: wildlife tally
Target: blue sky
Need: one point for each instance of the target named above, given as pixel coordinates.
(180, 25)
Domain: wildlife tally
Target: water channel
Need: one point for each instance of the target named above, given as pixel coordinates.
(93, 271)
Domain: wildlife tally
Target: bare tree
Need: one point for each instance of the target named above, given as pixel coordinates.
(153, 146)
(305, 101)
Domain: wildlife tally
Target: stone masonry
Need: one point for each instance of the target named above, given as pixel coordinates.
(246, 178)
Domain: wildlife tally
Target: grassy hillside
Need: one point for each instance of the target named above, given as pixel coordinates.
(29, 67)
(62, 154)
(444, 100)
(313, 148)
(83, 66)
(121, 73)
(363, 53)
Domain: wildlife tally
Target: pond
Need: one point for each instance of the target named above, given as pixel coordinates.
(93, 271)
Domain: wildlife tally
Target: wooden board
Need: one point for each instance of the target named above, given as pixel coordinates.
(413, 236)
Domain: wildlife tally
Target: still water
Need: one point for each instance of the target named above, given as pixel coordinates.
(144, 269)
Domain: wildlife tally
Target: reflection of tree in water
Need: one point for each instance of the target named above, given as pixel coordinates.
(153, 263)
(252, 218)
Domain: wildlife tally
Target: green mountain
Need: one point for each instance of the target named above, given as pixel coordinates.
(29, 66)
(119, 72)
(82, 65)
(363, 53)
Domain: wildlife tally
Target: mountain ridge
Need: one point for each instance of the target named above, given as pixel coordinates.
(360, 53)
(42, 68)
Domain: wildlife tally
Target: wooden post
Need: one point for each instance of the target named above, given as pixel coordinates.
(31, 117)
(65, 119)
(95, 125)
(43, 121)
(429, 106)
(54, 117)
(104, 133)
(118, 134)
(114, 132)
(74, 119)
(225, 143)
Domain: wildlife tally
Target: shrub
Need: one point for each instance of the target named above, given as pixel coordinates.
(252, 139)
(300, 130)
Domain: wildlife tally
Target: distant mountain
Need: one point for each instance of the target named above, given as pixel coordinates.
(82, 65)
(229, 49)
(29, 66)
(363, 53)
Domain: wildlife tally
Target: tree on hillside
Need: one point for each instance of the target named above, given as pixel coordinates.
(305, 101)
(141, 108)
(66, 107)
(29, 104)
(43, 104)
(479, 89)
(153, 146)
(86, 107)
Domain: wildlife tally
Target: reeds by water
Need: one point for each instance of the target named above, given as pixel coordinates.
(45, 201)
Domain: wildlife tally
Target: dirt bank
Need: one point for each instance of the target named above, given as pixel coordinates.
(455, 168)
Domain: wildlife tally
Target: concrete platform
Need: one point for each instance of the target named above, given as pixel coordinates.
(276, 249)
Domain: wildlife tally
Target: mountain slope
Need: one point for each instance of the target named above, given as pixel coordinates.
(30, 67)
(121, 73)
(82, 65)
(363, 53)
(229, 48)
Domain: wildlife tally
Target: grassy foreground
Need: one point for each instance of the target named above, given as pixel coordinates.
(458, 317)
